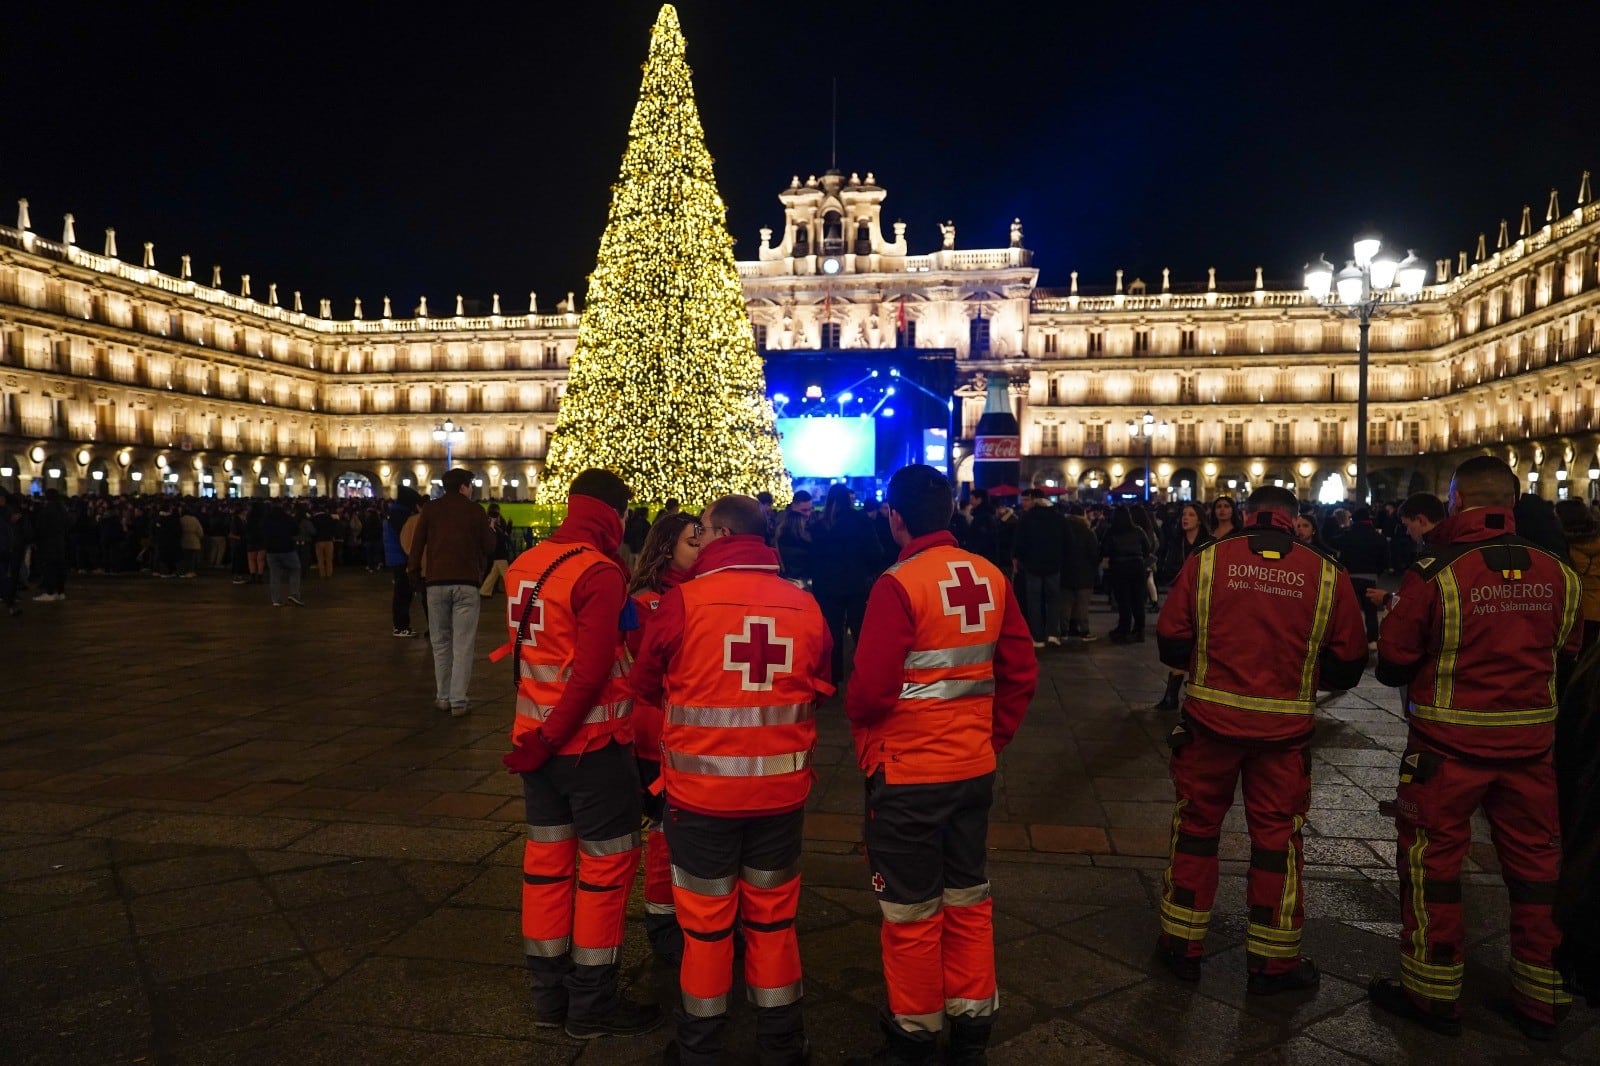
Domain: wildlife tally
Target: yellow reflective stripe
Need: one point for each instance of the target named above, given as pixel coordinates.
(1172, 851)
(1291, 882)
(1444, 672)
(1419, 900)
(1202, 613)
(1319, 630)
(1264, 704)
(1487, 718)
(1272, 943)
(1439, 983)
(1538, 983)
(1440, 973)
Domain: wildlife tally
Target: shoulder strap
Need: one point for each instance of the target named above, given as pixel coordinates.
(522, 620)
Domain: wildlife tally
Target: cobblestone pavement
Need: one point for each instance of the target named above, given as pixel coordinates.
(235, 834)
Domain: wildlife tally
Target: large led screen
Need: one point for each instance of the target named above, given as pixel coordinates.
(829, 447)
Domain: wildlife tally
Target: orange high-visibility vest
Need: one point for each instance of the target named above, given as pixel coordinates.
(942, 726)
(549, 641)
(739, 724)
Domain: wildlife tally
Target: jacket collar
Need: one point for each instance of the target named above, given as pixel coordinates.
(1474, 524)
(940, 538)
(737, 552)
(593, 523)
(1268, 519)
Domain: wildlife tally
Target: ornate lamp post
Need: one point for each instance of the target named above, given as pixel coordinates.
(1372, 284)
(1147, 428)
(449, 434)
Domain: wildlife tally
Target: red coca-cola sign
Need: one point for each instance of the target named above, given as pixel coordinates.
(998, 448)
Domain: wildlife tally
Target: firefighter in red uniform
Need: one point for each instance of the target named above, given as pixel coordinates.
(1483, 624)
(572, 744)
(1260, 622)
(737, 658)
(665, 561)
(943, 675)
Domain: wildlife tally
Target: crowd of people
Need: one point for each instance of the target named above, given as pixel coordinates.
(667, 674)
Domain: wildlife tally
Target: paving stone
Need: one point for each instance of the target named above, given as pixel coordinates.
(211, 949)
(463, 934)
(109, 1025)
(224, 1002)
(1060, 973)
(1165, 1020)
(333, 882)
(201, 905)
(39, 817)
(357, 922)
(212, 830)
(64, 928)
(1068, 839)
(403, 842)
(1059, 1040)
(309, 1043)
(18, 864)
(434, 995)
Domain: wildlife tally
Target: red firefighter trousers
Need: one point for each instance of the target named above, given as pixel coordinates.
(1277, 791)
(1434, 804)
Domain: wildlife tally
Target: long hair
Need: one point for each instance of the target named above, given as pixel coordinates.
(1234, 523)
(655, 557)
(837, 504)
(1202, 521)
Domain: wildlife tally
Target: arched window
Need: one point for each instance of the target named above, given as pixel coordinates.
(863, 239)
(802, 241)
(832, 233)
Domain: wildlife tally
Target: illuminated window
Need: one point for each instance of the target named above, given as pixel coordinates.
(1282, 433)
(1328, 438)
(1097, 342)
(1141, 340)
(830, 335)
(1094, 439)
(1233, 436)
(1187, 443)
(1188, 339)
(1055, 390)
(1050, 438)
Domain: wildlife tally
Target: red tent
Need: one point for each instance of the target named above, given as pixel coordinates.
(1003, 490)
(1055, 490)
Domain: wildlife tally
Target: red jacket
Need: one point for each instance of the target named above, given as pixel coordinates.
(888, 636)
(663, 638)
(1261, 622)
(647, 715)
(598, 599)
(1476, 636)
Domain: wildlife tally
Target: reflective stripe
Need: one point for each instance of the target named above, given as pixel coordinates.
(769, 878)
(920, 1023)
(966, 897)
(1272, 943)
(595, 956)
(1538, 983)
(1185, 923)
(1461, 716)
(1319, 630)
(1444, 671)
(550, 834)
(1431, 981)
(526, 708)
(1419, 898)
(1291, 884)
(740, 717)
(1204, 580)
(946, 690)
(901, 913)
(702, 886)
(738, 765)
(1263, 704)
(546, 949)
(712, 1007)
(548, 672)
(943, 658)
(775, 997)
(972, 1008)
(614, 846)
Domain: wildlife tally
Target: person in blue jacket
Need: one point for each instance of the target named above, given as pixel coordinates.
(405, 505)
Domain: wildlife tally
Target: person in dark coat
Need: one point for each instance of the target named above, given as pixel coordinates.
(1577, 759)
(1127, 550)
(1080, 566)
(982, 534)
(1365, 553)
(848, 560)
(1191, 535)
(1536, 521)
(50, 547)
(1037, 552)
(407, 503)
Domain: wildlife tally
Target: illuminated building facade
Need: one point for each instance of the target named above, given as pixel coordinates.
(116, 377)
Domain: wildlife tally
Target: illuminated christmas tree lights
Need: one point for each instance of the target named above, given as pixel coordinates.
(666, 387)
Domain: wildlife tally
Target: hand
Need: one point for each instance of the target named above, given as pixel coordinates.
(526, 758)
(1377, 597)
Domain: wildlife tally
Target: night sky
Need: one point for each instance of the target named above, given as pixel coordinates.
(357, 150)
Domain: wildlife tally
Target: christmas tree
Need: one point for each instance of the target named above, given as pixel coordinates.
(666, 387)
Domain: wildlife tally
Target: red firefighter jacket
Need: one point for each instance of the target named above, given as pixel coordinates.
(737, 659)
(944, 669)
(1261, 622)
(1482, 620)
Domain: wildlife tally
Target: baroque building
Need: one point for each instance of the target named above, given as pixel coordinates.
(116, 377)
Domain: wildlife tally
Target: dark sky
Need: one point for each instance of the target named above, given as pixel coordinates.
(349, 150)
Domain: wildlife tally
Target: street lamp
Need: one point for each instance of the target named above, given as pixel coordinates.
(449, 434)
(1370, 285)
(1145, 427)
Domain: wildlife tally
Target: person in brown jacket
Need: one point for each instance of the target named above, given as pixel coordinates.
(452, 534)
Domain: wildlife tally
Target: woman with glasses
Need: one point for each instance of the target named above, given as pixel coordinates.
(666, 559)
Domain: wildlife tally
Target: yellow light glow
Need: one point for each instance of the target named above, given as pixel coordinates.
(666, 388)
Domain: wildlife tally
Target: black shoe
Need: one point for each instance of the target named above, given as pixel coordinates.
(625, 1018)
(1136, 638)
(1169, 699)
(1117, 638)
(901, 1048)
(969, 1042)
(1532, 1028)
(1303, 978)
(1179, 963)
(550, 1019)
(1387, 994)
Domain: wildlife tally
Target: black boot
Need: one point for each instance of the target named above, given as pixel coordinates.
(901, 1048)
(1387, 994)
(1303, 978)
(969, 1042)
(1169, 699)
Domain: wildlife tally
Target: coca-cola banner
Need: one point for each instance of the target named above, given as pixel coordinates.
(997, 449)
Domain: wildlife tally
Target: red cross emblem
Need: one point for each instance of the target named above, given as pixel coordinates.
(516, 603)
(967, 595)
(758, 653)
(877, 882)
